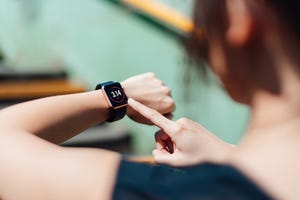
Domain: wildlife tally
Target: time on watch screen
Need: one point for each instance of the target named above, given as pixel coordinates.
(116, 94)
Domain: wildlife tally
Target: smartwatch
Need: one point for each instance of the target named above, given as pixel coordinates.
(116, 98)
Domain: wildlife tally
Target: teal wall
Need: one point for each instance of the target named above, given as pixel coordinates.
(97, 41)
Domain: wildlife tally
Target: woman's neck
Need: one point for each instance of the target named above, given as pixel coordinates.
(269, 151)
(275, 114)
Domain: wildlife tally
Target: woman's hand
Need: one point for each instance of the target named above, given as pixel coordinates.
(184, 142)
(150, 91)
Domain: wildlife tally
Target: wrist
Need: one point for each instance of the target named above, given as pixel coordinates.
(125, 88)
(99, 103)
(127, 92)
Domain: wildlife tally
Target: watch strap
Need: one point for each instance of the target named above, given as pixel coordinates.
(100, 85)
(117, 114)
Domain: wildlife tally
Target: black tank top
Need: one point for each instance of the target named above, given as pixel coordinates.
(207, 181)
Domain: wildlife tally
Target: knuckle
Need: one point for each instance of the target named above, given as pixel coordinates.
(171, 101)
(183, 120)
(178, 129)
(168, 100)
(167, 91)
(150, 74)
(172, 106)
(159, 82)
(167, 105)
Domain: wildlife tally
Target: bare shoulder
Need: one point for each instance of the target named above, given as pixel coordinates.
(32, 168)
(274, 170)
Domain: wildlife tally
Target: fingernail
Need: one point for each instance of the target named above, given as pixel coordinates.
(170, 147)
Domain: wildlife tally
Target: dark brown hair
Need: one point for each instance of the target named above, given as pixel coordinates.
(204, 19)
(289, 11)
(210, 14)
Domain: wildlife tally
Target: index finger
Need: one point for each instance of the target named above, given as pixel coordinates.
(158, 119)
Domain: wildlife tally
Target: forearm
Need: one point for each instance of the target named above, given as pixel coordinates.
(56, 118)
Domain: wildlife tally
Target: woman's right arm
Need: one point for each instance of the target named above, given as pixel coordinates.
(183, 142)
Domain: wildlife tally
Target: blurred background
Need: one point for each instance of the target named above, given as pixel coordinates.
(50, 47)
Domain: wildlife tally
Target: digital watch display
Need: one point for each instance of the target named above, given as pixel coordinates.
(116, 99)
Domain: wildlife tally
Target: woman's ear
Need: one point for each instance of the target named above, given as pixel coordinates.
(240, 22)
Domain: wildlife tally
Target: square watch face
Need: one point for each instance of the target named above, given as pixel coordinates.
(115, 94)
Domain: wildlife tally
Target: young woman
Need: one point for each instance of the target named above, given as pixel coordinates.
(253, 48)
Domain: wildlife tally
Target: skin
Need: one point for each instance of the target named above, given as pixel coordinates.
(34, 167)
(258, 66)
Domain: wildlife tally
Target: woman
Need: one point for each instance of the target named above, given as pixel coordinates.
(253, 47)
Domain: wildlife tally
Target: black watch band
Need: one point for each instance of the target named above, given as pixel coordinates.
(117, 114)
(118, 102)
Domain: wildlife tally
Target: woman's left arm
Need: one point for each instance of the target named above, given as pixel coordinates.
(56, 118)
(59, 118)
